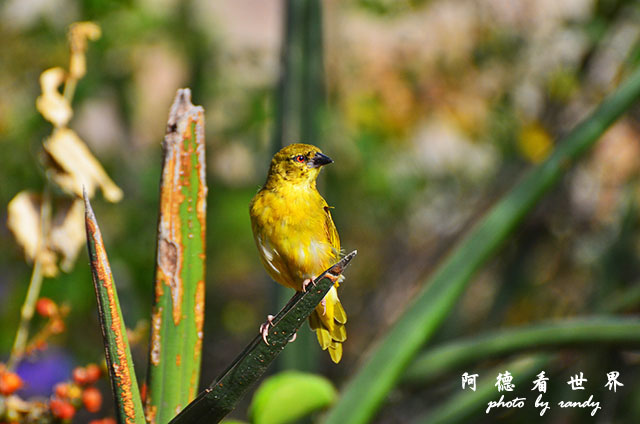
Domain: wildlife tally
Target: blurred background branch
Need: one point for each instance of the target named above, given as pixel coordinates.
(299, 103)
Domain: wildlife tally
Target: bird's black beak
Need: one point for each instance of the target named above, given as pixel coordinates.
(319, 160)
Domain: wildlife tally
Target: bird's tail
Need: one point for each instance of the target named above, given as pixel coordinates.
(328, 321)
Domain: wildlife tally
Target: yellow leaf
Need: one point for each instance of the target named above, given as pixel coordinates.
(68, 233)
(78, 35)
(51, 104)
(74, 167)
(24, 222)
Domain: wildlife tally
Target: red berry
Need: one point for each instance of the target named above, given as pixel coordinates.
(79, 375)
(9, 383)
(93, 372)
(61, 409)
(143, 391)
(61, 390)
(108, 420)
(92, 399)
(46, 307)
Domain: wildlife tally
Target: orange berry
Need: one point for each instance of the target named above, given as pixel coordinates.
(143, 391)
(108, 420)
(61, 390)
(9, 383)
(92, 399)
(79, 375)
(61, 409)
(57, 326)
(93, 373)
(46, 307)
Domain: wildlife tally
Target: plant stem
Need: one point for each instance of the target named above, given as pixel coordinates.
(221, 397)
(69, 89)
(35, 284)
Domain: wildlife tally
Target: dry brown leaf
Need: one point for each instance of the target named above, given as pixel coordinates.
(51, 104)
(78, 35)
(24, 222)
(75, 167)
(66, 236)
(68, 233)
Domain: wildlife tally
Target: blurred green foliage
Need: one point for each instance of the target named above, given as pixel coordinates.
(427, 103)
(290, 395)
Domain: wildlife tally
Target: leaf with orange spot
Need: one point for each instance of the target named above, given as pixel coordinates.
(118, 354)
(178, 308)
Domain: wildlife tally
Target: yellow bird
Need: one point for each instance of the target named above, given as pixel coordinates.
(296, 237)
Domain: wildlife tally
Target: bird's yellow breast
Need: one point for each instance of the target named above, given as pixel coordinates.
(294, 233)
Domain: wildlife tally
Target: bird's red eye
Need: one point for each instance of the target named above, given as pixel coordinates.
(299, 158)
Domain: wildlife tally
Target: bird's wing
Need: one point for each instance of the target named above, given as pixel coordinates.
(331, 231)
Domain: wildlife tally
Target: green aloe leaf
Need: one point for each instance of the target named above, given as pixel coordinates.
(586, 331)
(299, 102)
(366, 392)
(116, 344)
(178, 306)
(290, 395)
(223, 394)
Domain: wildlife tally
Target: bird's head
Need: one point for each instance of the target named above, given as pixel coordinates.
(297, 164)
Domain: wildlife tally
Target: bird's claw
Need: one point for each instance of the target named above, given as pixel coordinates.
(293, 338)
(332, 277)
(264, 328)
(310, 281)
(306, 283)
